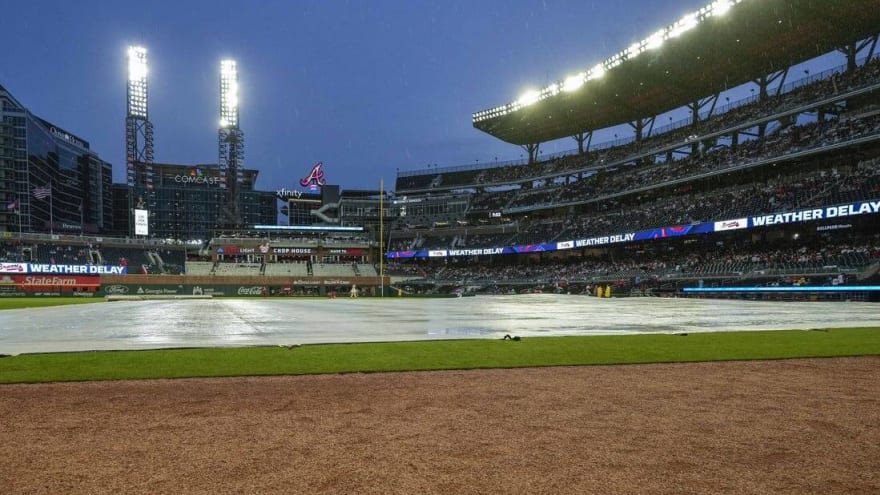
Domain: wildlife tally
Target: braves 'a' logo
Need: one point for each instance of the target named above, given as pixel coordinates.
(315, 177)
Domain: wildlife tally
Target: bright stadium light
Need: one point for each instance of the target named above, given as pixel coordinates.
(656, 40)
(137, 63)
(228, 94)
(614, 61)
(597, 71)
(633, 50)
(686, 23)
(720, 7)
(573, 83)
(528, 98)
(227, 67)
(137, 82)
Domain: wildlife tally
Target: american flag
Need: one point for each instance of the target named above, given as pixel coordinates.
(42, 192)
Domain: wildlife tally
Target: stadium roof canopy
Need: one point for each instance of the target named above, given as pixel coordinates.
(724, 45)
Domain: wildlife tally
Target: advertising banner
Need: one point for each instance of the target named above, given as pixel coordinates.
(348, 251)
(736, 223)
(847, 210)
(22, 268)
(828, 212)
(183, 290)
(474, 252)
(13, 268)
(291, 250)
(141, 222)
(57, 283)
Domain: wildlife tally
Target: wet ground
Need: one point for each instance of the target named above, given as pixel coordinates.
(247, 322)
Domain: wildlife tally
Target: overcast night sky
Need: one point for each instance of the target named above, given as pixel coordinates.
(365, 87)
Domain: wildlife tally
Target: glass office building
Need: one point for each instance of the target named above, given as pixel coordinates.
(50, 179)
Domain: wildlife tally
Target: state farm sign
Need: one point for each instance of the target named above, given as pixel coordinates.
(41, 282)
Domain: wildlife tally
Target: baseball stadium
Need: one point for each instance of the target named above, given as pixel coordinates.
(691, 307)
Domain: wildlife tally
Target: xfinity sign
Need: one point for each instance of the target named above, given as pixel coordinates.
(284, 194)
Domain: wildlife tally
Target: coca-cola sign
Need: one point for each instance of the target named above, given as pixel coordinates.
(256, 290)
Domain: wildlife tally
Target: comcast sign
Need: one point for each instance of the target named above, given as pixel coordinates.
(189, 179)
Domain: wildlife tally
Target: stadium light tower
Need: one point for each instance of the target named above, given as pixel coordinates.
(230, 144)
(138, 132)
(138, 128)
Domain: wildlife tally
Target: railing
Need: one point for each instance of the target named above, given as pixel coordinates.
(659, 276)
(93, 239)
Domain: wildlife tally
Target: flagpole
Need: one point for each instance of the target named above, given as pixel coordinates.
(381, 245)
(51, 213)
(18, 211)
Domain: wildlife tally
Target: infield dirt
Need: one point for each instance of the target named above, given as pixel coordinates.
(794, 426)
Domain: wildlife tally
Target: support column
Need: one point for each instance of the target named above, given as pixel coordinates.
(763, 83)
(639, 127)
(697, 106)
(852, 50)
(581, 138)
(532, 150)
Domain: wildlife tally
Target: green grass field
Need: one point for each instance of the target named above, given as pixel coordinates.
(44, 302)
(436, 355)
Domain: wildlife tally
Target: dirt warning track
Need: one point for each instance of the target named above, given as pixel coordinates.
(794, 426)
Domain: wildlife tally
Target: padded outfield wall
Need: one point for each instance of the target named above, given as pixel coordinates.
(56, 280)
(222, 286)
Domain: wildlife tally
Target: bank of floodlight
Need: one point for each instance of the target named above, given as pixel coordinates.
(137, 81)
(573, 83)
(655, 41)
(720, 7)
(634, 50)
(529, 97)
(137, 63)
(613, 62)
(689, 21)
(684, 25)
(228, 94)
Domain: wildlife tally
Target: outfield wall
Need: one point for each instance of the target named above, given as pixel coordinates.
(222, 286)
